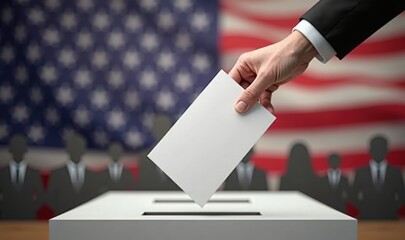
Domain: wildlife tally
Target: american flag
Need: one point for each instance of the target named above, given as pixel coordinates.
(106, 68)
(103, 69)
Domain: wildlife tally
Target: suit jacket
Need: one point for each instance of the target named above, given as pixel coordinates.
(20, 202)
(306, 183)
(124, 183)
(150, 178)
(378, 202)
(335, 196)
(258, 181)
(347, 23)
(62, 195)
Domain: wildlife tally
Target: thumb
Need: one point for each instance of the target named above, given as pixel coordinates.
(251, 94)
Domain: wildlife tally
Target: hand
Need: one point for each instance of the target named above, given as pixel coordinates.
(263, 70)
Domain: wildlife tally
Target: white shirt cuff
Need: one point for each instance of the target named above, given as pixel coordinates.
(325, 50)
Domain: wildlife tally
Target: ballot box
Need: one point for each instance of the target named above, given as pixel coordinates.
(226, 216)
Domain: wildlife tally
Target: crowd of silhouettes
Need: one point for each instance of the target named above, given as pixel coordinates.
(23, 192)
(377, 189)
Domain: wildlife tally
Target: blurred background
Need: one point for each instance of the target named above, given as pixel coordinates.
(88, 87)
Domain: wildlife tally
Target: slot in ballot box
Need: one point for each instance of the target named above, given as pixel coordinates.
(227, 216)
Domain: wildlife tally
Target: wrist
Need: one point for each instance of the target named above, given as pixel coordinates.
(301, 46)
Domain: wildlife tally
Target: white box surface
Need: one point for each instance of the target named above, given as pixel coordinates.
(228, 215)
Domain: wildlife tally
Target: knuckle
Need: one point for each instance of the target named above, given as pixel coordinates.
(251, 93)
(268, 75)
(243, 57)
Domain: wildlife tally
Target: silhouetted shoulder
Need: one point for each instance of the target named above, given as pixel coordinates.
(59, 169)
(394, 170)
(57, 172)
(363, 170)
(33, 170)
(260, 171)
(103, 172)
(324, 179)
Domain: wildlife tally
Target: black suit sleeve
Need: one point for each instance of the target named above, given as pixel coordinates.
(347, 23)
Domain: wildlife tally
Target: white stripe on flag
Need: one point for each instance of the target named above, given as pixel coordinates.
(347, 139)
(294, 98)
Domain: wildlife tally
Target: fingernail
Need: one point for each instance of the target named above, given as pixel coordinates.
(241, 106)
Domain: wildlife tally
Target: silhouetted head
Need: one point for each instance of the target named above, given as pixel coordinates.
(334, 161)
(75, 147)
(299, 151)
(378, 148)
(18, 147)
(115, 151)
(248, 156)
(299, 161)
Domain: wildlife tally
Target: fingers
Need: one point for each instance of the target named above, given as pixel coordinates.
(251, 94)
(273, 88)
(242, 70)
(265, 100)
(265, 97)
(235, 72)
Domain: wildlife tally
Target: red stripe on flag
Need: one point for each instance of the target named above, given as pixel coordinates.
(337, 117)
(233, 41)
(315, 82)
(381, 47)
(350, 161)
(230, 42)
(283, 22)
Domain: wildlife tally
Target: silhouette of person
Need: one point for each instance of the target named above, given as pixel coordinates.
(300, 175)
(246, 176)
(150, 176)
(72, 184)
(378, 188)
(334, 185)
(116, 177)
(20, 185)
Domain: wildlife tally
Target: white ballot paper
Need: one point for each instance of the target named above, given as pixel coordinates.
(209, 140)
